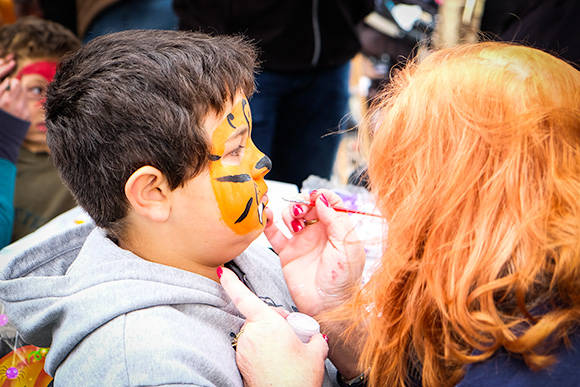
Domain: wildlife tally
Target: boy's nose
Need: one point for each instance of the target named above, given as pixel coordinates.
(262, 167)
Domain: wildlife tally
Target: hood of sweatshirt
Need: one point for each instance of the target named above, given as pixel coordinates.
(66, 287)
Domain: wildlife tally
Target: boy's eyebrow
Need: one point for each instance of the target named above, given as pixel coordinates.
(242, 130)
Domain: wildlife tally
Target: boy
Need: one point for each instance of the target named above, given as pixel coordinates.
(150, 131)
(37, 45)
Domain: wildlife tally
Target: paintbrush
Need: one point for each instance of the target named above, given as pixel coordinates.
(338, 209)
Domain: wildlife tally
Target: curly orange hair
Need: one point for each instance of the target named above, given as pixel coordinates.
(475, 164)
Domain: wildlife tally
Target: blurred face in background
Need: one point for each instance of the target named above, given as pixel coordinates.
(35, 76)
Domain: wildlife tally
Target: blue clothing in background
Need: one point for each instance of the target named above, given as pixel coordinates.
(509, 370)
(296, 127)
(133, 14)
(302, 89)
(7, 178)
(12, 133)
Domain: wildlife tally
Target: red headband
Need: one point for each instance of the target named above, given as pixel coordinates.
(46, 69)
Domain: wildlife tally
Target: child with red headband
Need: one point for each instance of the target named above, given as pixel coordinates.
(37, 46)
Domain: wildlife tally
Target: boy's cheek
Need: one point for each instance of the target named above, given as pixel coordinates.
(238, 195)
(239, 205)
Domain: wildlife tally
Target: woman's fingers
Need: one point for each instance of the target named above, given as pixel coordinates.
(247, 302)
(6, 66)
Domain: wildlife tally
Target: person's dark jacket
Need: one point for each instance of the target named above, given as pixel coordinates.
(295, 35)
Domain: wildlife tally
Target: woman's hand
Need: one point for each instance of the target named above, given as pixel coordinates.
(268, 353)
(323, 261)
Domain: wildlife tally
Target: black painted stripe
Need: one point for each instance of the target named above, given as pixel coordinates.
(265, 162)
(230, 118)
(246, 211)
(235, 178)
(244, 103)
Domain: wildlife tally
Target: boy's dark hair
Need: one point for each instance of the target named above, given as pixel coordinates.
(136, 98)
(32, 37)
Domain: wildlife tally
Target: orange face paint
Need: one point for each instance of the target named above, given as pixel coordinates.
(237, 171)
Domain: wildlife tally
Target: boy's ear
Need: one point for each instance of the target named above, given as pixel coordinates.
(147, 191)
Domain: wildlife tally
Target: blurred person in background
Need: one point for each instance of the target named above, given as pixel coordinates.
(37, 45)
(99, 17)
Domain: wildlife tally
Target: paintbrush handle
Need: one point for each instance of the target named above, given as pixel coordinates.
(338, 209)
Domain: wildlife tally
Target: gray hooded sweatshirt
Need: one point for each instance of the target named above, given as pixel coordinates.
(111, 318)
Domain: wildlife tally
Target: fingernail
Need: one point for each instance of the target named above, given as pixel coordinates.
(219, 272)
(325, 338)
(297, 209)
(296, 225)
(324, 200)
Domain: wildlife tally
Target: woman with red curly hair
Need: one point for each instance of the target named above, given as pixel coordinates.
(475, 165)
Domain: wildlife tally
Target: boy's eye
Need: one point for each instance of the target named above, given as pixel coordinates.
(239, 151)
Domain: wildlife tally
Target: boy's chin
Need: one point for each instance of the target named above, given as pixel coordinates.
(243, 243)
(253, 235)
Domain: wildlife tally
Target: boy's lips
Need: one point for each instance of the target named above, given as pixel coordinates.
(41, 127)
(261, 206)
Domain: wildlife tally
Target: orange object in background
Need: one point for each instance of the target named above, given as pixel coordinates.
(24, 367)
(7, 14)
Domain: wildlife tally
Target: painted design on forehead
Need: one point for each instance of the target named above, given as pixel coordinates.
(244, 104)
(231, 117)
(46, 69)
(237, 193)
